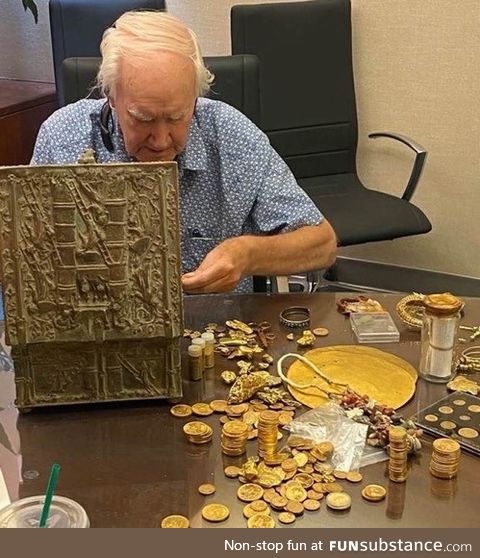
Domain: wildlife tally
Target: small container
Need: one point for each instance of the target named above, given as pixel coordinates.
(195, 362)
(25, 513)
(209, 353)
(201, 343)
(439, 332)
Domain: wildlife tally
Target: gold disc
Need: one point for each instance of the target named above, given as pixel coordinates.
(358, 367)
(181, 410)
(215, 512)
(261, 521)
(374, 492)
(175, 522)
(206, 489)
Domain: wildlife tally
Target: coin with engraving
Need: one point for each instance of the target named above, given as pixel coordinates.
(448, 425)
(354, 476)
(286, 518)
(196, 428)
(311, 505)
(445, 410)
(338, 501)
(278, 502)
(175, 522)
(431, 418)
(465, 418)
(181, 411)
(258, 506)
(295, 491)
(474, 408)
(260, 521)
(374, 492)
(249, 492)
(206, 489)
(320, 331)
(341, 475)
(202, 409)
(294, 507)
(468, 433)
(446, 445)
(218, 405)
(232, 471)
(459, 402)
(215, 512)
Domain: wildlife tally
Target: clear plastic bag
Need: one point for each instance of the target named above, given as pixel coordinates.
(329, 422)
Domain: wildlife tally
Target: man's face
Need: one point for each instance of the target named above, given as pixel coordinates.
(154, 100)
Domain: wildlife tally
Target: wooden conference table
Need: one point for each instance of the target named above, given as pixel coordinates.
(130, 465)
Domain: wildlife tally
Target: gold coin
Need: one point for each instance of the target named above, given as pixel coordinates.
(235, 428)
(181, 411)
(459, 402)
(311, 505)
(206, 489)
(286, 517)
(260, 521)
(232, 471)
(295, 492)
(202, 409)
(238, 409)
(354, 476)
(301, 459)
(196, 428)
(278, 502)
(468, 432)
(249, 492)
(320, 331)
(253, 508)
(445, 410)
(431, 418)
(447, 425)
(333, 487)
(446, 445)
(340, 474)
(313, 495)
(215, 512)
(175, 522)
(289, 465)
(338, 501)
(294, 507)
(465, 417)
(269, 494)
(374, 492)
(474, 408)
(218, 405)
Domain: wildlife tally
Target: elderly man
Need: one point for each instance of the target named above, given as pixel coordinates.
(242, 212)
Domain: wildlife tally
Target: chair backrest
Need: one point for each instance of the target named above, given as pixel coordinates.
(236, 81)
(307, 95)
(77, 27)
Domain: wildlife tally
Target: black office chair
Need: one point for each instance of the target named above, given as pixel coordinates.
(236, 81)
(77, 27)
(307, 104)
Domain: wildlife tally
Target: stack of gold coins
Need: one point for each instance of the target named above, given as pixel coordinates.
(445, 458)
(398, 451)
(198, 432)
(267, 433)
(234, 437)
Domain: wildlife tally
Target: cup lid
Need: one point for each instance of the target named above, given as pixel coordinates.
(25, 513)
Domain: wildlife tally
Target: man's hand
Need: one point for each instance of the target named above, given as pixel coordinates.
(221, 270)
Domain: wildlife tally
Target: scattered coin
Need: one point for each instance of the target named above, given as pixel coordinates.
(175, 522)
(320, 331)
(311, 505)
(374, 492)
(256, 507)
(340, 474)
(338, 501)
(286, 517)
(218, 405)
(232, 471)
(249, 492)
(260, 521)
(459, 402)
(313, 495)
(181, 411)
(215, 512)
(294, 507)
(431, 418)
(474, 408)
(445, 410)
(354, 476)
(295, 491)
(202, 409)
(278, 502)
(447, 425)
(206, 489)
(465, 417)
(468, 433)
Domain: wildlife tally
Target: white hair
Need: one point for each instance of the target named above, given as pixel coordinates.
(141, 34)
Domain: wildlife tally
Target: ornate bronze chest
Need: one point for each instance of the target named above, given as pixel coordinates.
(90, 260)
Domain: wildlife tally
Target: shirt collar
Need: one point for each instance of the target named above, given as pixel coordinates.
(194, 157)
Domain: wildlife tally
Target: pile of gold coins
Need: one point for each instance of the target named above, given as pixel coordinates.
(398, 453)
(234, 437)
(445, 458)
(267, 433)
(198, 432)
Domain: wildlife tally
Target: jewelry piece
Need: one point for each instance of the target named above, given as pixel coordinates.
(469, 360)
(295, 317)
(475, 331)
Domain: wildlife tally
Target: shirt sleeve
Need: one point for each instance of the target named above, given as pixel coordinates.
(42, 152)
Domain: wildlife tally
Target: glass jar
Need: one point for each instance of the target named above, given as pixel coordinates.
(439, 333)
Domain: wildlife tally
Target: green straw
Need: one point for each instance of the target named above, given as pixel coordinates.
(52, 484)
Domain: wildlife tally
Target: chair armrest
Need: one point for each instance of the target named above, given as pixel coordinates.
(421, 155)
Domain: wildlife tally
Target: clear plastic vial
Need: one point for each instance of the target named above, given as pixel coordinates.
(209, 354)
(439, 333)
(200, 343)
(195, 362)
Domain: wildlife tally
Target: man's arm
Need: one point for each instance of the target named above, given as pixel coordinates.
(305, 249)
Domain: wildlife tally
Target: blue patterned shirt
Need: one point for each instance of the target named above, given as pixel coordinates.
(232, 181)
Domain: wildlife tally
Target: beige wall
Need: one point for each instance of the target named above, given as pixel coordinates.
(416, 73)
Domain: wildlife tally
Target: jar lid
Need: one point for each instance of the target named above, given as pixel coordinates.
(199, 341)
(443, 304)
(195, 350)
(208, 336)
